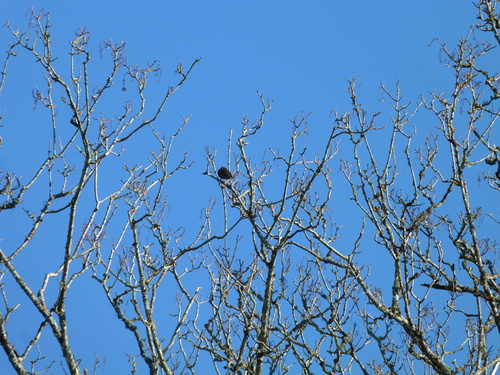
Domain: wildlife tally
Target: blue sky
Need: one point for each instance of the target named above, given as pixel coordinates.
(297, 54)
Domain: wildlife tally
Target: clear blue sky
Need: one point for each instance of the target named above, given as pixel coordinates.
(296, 53)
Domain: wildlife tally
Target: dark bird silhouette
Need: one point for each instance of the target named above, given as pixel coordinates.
(224, 173)
(74, 121)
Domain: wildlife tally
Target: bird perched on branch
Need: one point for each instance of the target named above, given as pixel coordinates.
(74, 121)
(224, 173)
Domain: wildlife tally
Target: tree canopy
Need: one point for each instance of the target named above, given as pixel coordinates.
(271, 278)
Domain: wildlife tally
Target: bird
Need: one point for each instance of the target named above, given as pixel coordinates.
(224, 173)
(74, 121)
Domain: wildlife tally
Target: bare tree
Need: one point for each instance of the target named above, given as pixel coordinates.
(405, 282)
(84, 209)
